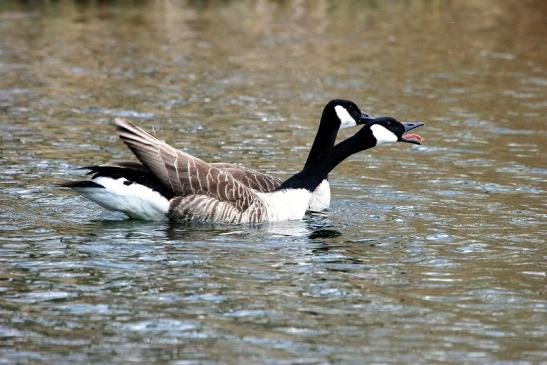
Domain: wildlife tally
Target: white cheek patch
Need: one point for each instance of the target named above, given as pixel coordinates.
(383, 135)
(346, 119)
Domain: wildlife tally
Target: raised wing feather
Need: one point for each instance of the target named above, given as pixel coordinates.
(251, 178)
(125, 165)
(181, 172)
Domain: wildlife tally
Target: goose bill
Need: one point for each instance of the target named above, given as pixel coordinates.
(411, 137)
(364, 118)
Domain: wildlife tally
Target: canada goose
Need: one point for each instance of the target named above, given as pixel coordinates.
(337, 114)
(191, 189)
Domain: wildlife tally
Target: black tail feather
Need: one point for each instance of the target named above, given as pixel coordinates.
(133, 172)
(80, 184)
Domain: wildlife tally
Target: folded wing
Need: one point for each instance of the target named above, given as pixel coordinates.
(251, 178)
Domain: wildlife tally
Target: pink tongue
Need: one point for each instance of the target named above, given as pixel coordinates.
(416, 137)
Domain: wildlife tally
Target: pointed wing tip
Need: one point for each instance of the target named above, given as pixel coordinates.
(119, 120)
(122, 122)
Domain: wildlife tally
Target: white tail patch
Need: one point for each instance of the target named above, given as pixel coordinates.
(346, 120)
(135, 200)
(320, 198)
(382, 134)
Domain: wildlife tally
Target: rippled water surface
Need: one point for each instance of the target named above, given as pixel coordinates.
(429, 254)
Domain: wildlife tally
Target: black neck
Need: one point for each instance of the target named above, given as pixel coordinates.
(326, 134)
(317, 170)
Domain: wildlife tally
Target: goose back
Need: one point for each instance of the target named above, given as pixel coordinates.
(253, 179)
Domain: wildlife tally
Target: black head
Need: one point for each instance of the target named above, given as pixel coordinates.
(346, 112)
(390, 130)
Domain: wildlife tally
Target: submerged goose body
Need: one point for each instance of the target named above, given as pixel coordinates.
(181, 187)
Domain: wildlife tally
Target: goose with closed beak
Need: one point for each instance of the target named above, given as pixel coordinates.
(182, 187)
(337, 114)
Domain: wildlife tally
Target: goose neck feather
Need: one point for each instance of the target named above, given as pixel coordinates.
(326, 134)
(314, 173)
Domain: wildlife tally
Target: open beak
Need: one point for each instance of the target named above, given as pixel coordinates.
(411, 137)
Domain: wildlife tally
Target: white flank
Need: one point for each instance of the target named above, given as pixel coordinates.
(135, 200)
(285, 205)
(346, 119)
(382, 134)
(320, 198)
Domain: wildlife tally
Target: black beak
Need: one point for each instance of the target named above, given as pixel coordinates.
(365, 118)
(411, 137)
(411, 125)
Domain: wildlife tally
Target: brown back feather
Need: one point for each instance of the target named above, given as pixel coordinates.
(251, 178)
